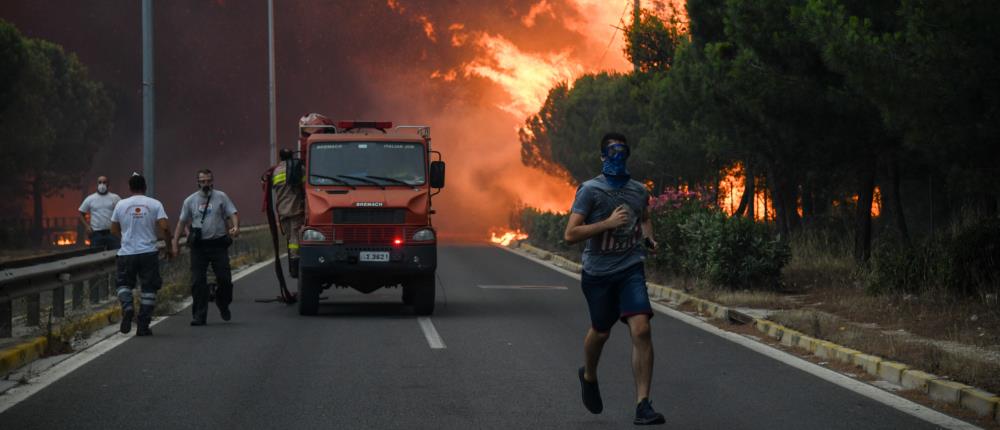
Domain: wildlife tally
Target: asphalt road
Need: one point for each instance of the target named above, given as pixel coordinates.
(509, 361)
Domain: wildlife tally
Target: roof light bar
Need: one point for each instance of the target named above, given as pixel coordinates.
(348, 125)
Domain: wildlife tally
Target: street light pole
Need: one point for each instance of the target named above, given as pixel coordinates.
(270, 85)
(147, 97)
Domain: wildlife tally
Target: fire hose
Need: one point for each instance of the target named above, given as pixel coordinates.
(285, 296)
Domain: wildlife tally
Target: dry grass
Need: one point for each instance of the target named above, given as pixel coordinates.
(976, 368)
(752, 299)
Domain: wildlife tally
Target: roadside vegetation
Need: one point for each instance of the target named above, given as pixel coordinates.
(836, 160)
(53, 119)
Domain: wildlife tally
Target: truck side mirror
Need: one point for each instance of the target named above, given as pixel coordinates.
(437, 174)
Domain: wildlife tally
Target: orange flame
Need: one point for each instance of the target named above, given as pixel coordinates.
(66, 238)
(525, 77)
(731, 189)
(507, 237)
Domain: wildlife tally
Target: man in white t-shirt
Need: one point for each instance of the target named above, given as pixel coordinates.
(214, 223)
(137, 220)
(99, 206)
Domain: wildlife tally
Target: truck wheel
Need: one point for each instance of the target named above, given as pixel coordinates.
(309, 290)
(423, 295)
(408, 294)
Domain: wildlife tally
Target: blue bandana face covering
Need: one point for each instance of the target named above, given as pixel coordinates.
(614, 169)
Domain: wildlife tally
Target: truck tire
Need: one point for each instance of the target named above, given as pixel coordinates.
(423, 294)
(408, 294)
(309, 290)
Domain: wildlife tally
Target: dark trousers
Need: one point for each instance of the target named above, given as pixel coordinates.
(201, 258)
(146, 269)
(103, 239)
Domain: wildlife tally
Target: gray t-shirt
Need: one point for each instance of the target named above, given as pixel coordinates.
(100, 207)
(620, 248)
(220, 208)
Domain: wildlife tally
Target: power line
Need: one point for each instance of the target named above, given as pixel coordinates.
(621, 24)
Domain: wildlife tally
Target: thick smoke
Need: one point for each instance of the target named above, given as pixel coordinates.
(471, 70)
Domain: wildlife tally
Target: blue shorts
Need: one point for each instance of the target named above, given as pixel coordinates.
(616, 297)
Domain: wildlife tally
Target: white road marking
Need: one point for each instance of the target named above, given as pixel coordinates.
(18, 394)
(859, 387)
(522, 287)
(431, 333)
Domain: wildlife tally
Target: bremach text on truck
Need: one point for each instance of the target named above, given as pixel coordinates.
(367, 225)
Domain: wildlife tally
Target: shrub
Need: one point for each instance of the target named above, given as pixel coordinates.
(975, 259)
(545, 228)
(963, 263)
(730, 252)
(695, 241)
(897, 268)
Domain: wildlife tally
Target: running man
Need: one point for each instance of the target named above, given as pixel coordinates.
(611, 213)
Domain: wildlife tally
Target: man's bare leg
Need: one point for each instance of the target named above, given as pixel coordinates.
(642, 354)
(593, 344)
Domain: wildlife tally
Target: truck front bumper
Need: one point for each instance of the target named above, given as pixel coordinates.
(345, 261)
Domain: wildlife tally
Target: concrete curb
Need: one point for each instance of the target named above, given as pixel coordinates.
(19, 355)
(982, 403)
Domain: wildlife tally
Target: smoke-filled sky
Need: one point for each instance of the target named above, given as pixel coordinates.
(472, 70)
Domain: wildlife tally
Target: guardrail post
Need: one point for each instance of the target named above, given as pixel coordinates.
(94, 289)
(59, 302)
(34, 305)
(106, 289)
(78, 289)
(6, 319)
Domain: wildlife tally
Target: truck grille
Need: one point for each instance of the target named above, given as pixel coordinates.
(369, 235)
(369, 216)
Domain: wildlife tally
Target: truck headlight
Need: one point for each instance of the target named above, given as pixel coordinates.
(423, 235)
(311, 235)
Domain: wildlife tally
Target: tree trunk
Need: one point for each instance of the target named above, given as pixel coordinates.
(778, 199)
(808, 202)
(896, 198)
(863, 216)
(746, 201)
(785, 196)
(37, 230)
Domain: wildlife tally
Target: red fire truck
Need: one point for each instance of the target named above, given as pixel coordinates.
(368, 211)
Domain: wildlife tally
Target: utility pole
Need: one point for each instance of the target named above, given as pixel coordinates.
(636, 17)
(148, 150)
(270, 82)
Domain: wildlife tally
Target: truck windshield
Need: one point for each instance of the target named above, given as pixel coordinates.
(366, 163)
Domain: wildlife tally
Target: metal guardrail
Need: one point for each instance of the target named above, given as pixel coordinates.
(90, 274)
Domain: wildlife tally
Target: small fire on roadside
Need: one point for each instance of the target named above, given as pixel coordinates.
(507, 237)
(65, 239)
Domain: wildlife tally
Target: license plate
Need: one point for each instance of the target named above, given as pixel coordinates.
(378, 257)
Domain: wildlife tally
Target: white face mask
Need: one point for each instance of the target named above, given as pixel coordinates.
(102, 188)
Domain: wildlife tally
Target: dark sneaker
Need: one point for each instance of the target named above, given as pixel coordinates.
(645, 415)
(127, 317)
(224, 312)
(591, 395)
(144, 331)
(197, 322)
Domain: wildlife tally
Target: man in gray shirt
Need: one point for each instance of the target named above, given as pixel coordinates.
(207, 212)
(611, 213)
(99, 206)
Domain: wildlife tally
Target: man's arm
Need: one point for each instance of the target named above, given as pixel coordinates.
(181, 228)
(234, 225)
(163, 230)
(116, 229)
(86, 224)
(647, 228)
(577, 231)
